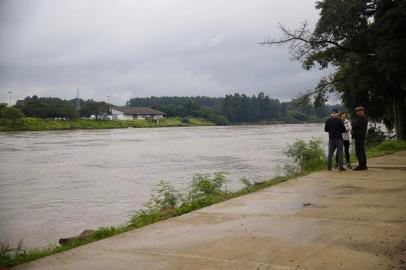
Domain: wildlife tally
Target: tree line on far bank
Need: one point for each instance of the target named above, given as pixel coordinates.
(231, 109)
(237, 108)
(53, 108)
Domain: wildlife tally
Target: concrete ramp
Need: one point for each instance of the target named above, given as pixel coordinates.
(325, 220)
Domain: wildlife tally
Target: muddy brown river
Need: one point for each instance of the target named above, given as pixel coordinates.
(56, 184)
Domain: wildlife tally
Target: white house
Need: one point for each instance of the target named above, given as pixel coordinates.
(135, 113)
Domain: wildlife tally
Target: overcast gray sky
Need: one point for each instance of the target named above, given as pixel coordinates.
(129, 48)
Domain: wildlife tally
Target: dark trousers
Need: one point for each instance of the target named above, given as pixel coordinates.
(360, 152)
(346, 152)
(333, 145)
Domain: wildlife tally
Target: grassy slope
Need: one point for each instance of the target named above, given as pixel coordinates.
(37, 124)
(386, 148)
(144, 218)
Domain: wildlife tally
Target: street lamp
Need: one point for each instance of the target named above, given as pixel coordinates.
(10, 92)
(108, 100)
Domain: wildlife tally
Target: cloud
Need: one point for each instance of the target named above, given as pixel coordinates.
(149, 47)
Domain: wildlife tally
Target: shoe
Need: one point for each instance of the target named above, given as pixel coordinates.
(342, 169)
(358, 169)
(349, 166)
(329, 169)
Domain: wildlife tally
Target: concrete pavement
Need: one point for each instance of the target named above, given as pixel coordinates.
(325, 220)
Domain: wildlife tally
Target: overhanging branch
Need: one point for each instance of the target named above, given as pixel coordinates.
(302, 42)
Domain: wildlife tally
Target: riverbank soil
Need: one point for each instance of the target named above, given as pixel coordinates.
(325, 220)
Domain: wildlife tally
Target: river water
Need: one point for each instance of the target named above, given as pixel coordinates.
(56, 184)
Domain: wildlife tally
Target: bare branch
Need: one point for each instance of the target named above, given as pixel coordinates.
(302, 42)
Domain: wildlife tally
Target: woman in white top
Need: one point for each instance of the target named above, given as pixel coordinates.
(346, 138)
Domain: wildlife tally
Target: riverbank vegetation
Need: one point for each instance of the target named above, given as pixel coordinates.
(306, 157)
(204, 190)
(38, 124)
(385, 148)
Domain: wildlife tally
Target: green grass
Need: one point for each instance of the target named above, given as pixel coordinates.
(386, 148)
(21, 257)
(204, 191)
(38, 124)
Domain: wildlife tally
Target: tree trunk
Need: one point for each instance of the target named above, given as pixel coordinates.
(399, 109)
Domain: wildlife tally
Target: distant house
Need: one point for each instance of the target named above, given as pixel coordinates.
(135, 113)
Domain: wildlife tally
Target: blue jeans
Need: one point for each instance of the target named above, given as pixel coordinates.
(346, 153)
(333, 145)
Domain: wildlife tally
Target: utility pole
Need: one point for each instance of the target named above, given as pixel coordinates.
(10, 92)
(78, 99)
(108, 101)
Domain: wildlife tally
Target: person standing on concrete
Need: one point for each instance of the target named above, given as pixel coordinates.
(335, 128)
(359, 131)
(346, 139)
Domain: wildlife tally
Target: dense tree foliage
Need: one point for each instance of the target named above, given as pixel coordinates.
(173, 100)
(237, 108)
(365, 41)
(11, 113)
(46, 107)
(49, 107)
(96, 108)
(193, 109)
(261, 108)
(241, 108)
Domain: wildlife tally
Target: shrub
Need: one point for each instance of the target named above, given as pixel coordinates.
(375, 136)
(145, 217)
(307, 157)
(204, 186)
(7, 253)
(246, 182)
(11, 113)
(168, 202)
(185, 120)
(166, 199)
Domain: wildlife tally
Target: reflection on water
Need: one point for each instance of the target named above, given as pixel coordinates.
(56, 184)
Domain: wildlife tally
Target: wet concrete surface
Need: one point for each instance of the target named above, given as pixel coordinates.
(325, 220)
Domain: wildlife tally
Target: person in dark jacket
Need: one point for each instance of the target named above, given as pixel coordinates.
(359, 131)
(335, 128)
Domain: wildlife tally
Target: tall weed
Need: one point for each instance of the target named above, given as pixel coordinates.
(306, 157)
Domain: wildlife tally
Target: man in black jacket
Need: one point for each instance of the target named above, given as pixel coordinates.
(359, 131)
(335, 128)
